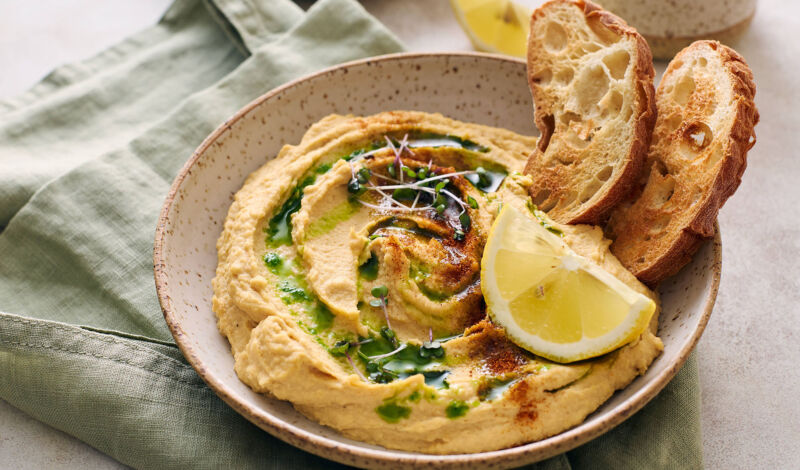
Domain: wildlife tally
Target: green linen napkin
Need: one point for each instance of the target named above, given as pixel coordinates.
(86, 158)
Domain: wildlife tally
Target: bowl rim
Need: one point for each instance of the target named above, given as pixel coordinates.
(358, 455)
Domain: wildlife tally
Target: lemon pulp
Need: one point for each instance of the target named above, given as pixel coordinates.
(550, 300)
(499, 26)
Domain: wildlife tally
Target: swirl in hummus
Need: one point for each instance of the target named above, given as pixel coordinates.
(362, 306)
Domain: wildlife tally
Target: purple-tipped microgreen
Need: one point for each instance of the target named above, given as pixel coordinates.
(397, 164)
(446, 176)
(393, 205)
(416, 199)
(340, 348)
(353, 365)
(401, 208)
(389, 354)
(412, 190)
(404, 144)
(387, 178)
(380, 292)
(352, 170)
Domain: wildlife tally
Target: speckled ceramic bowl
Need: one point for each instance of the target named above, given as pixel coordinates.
(478, 88)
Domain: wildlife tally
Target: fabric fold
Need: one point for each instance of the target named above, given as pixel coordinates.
(83, 110)
(91, 229)
(257, 23)
(138, 403)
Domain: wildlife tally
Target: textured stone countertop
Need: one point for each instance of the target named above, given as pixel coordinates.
(749, 352)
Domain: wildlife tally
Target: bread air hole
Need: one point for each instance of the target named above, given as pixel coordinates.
(617, 63)
(555, 37)
(658, 225)
(564, 76)
(576, 141)
(591, 85)
(541, 200)
(605, 173)
(542, 77)
(674, 122)
(659, 168)
(569, 198)
(697, 136)
(590, 47)
(654, 236)
(683, 89)
(568, 116)
(611, 104)
(590, 190)
(664, 191)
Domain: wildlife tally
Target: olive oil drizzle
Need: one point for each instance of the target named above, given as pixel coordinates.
(381, 356)
(279, 227)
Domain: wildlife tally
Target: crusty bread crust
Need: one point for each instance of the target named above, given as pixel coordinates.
(705, 128)
(593, 143)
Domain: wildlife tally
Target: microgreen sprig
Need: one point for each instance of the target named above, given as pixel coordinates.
(431, 349)
(380, 300)
(398, 164)
(353, 365)
(389, 335)
(389, 354)
(342, 348)
(420, 183)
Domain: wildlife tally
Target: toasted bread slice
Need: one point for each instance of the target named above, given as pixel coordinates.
(706, 116)
(591, 76)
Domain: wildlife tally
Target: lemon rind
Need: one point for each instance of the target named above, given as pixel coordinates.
(638, 318)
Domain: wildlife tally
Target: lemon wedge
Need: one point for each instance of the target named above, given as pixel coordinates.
(499, 26)
(551, 301)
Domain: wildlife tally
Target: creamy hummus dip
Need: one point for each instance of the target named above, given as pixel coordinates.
(362, 306)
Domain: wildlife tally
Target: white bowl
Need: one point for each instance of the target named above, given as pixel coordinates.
(481, 88)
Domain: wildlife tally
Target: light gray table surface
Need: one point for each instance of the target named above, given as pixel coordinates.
(750, 350)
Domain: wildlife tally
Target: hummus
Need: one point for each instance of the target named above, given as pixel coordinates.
(362, 306)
